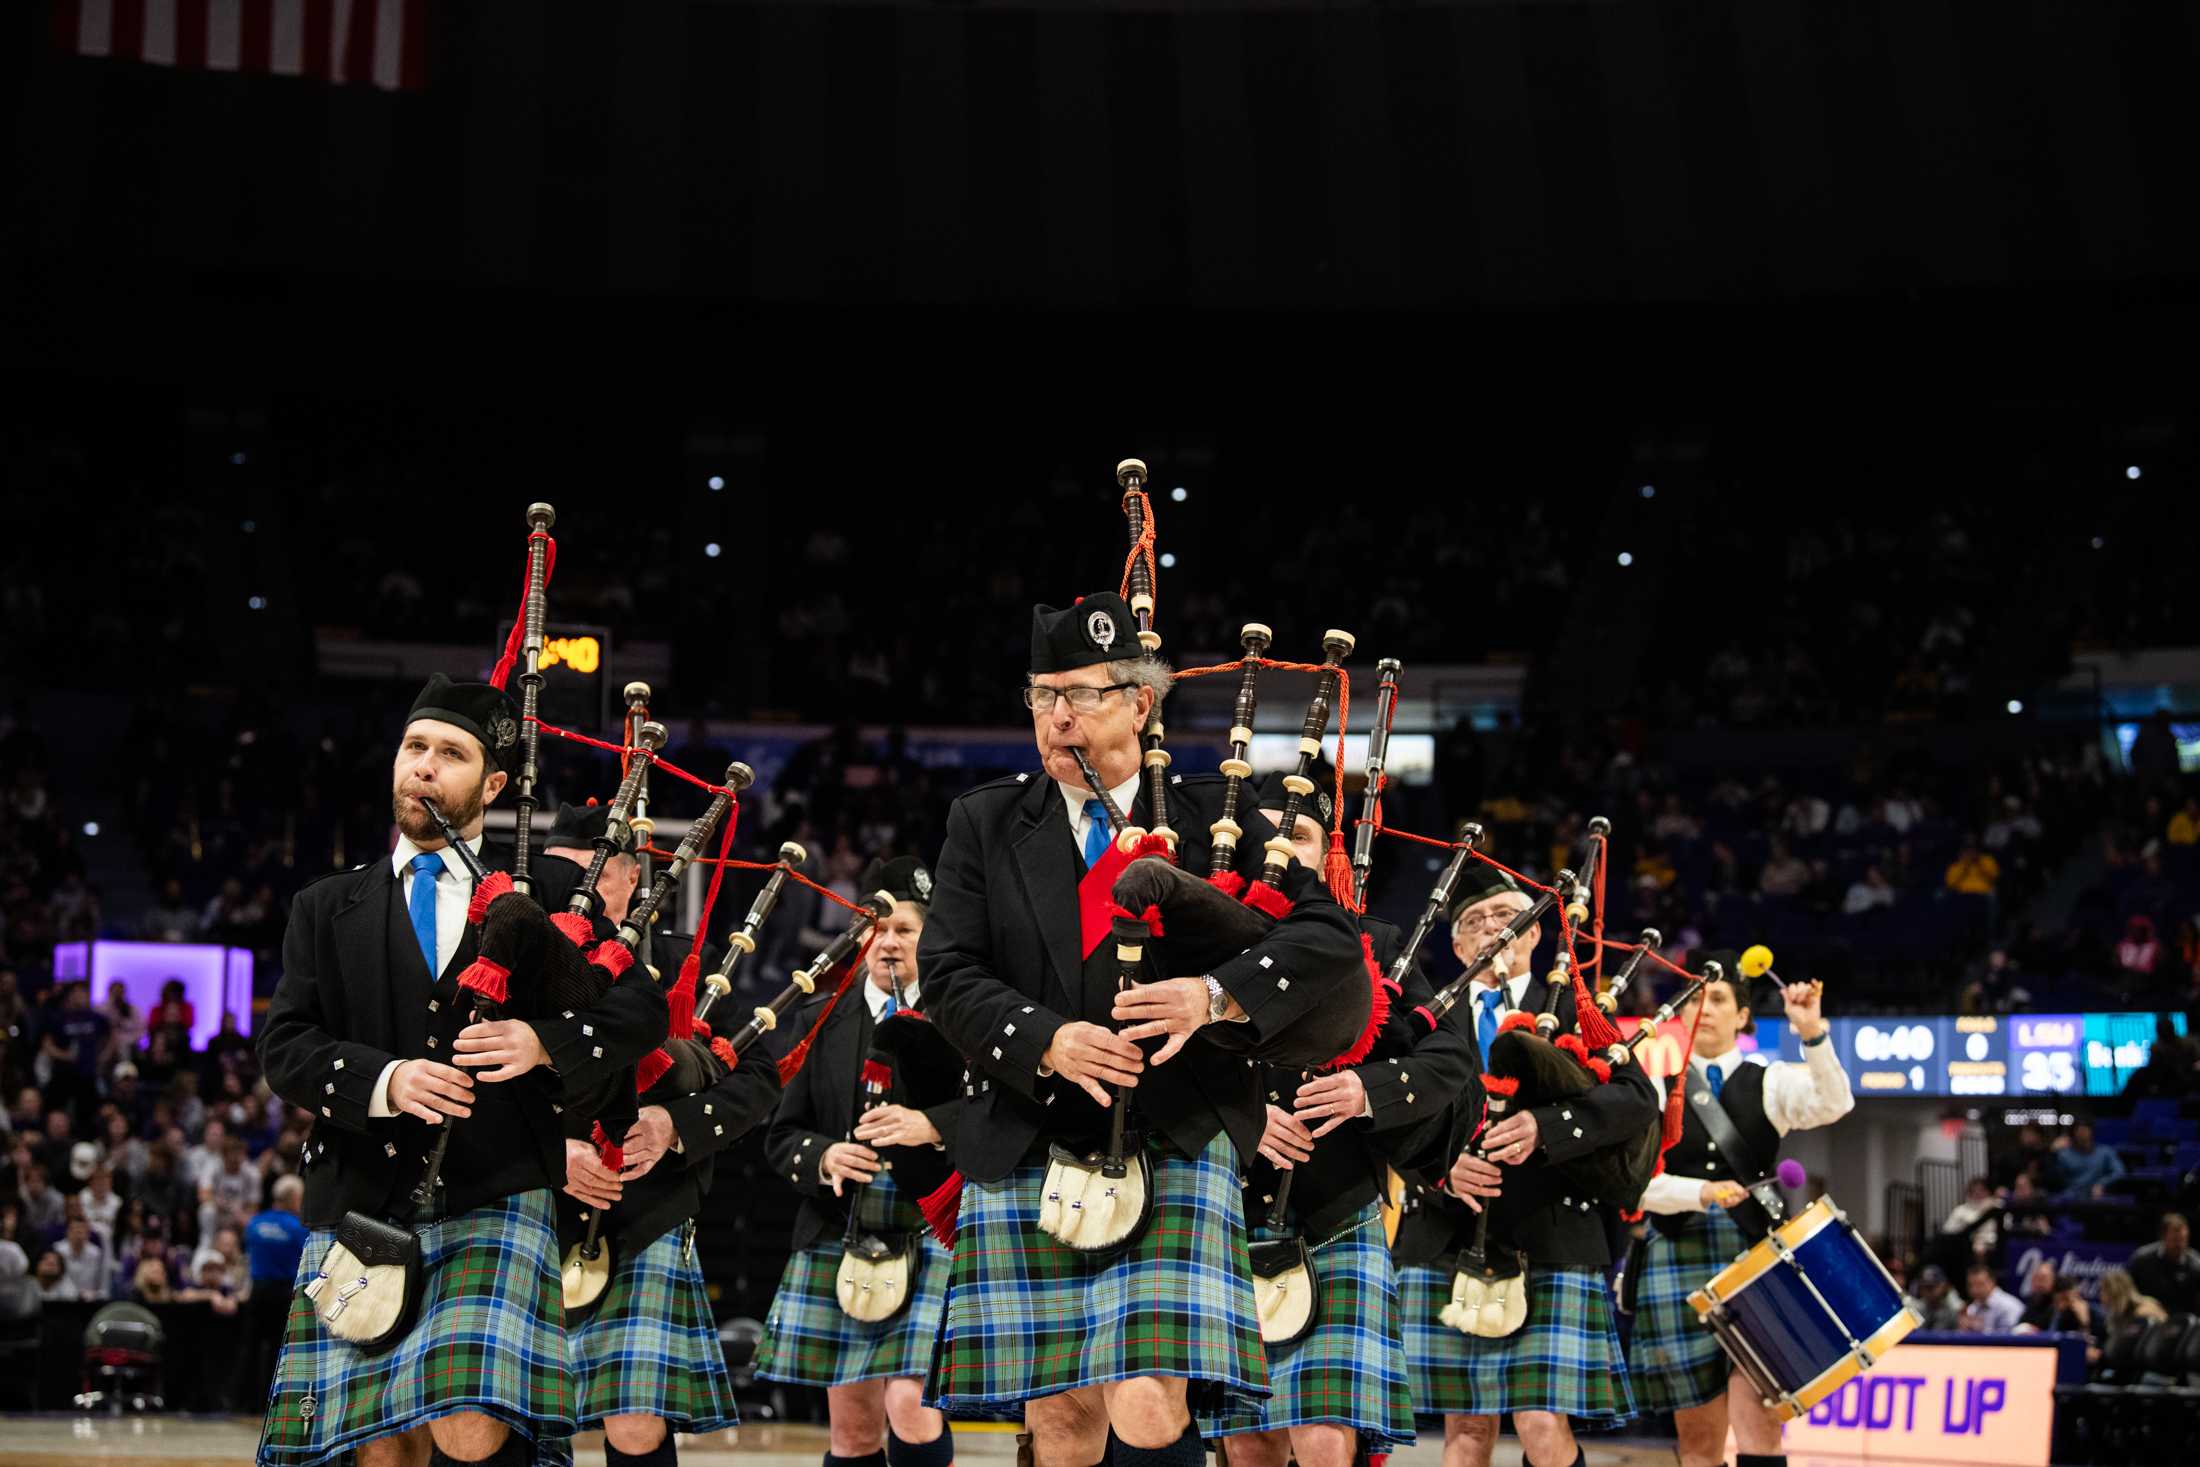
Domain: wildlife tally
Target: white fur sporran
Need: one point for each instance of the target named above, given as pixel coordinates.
(368, 1288)
(1487, 1301)
(877, 1277)
(1283, 1290)
(1088, 1204)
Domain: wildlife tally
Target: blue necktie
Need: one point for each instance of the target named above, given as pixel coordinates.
(425, 868)
(1485, 1027)
(1096, 832)
(892, 1008)
(1717, 1077)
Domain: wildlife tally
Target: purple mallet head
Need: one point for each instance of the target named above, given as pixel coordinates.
(1791, 1174)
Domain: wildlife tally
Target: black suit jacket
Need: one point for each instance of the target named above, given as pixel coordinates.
(1003, 969)
(1540, 1211)
(1413, 1081)
(819, 1109)
(355, 995)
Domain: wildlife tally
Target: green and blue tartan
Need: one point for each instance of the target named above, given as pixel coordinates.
(810, 1340)
(1350, 1370)
(1564, 1359)
(1028, 1317)
(490, 1338)
(1674, 1358)
(651, 1347)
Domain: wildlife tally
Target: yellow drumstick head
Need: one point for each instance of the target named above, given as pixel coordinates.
(1756, 961)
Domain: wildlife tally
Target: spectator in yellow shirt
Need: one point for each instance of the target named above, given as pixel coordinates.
(2184, 826)
(1973, 872)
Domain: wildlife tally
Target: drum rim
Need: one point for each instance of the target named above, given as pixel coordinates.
(1762, 1256)
(1849, 1366)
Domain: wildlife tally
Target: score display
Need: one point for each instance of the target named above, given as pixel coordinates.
(1981, 1054)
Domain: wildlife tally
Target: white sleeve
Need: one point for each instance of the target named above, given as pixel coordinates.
(378, 1101)
(1668, 1194)
(1802, 1097)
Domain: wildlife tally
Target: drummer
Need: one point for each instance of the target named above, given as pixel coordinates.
(1703, 1216)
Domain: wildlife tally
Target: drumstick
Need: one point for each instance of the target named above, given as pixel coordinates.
(1757, 963)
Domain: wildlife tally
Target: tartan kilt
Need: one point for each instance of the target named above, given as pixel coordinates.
(1350, 1370)
(1565, 1358)
(810, 1340)
(490, 1338)
(1674, 1358)
(1028, 1317)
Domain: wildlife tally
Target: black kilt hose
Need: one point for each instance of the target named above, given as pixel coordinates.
(1005, 965)
(356, 995)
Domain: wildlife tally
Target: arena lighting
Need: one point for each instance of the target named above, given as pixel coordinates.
(711, 550)
(249, 526)
(257, 603)
(1178, 494)
(2098, 542)
(238, 458)
(2016, 705)
(1649, 491)
(1168, 560)
(1625, 558)
(91, 827)
(716, 482)
(2132, 472)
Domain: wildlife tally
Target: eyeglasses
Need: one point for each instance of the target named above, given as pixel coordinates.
(1081, 700)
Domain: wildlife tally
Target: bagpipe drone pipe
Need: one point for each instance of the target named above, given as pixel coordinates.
(1196, 922)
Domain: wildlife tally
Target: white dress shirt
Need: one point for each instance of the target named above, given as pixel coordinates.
(454, 891)
(1074, 796)
(874, 997)
(1798, 1097)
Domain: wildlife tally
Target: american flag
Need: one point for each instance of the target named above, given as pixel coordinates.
(381, 42)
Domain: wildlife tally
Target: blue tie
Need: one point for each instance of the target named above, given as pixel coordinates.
(1717, 1077)
(1485, 1027)
(889, 1010)
(1096, 832)
(425, 868)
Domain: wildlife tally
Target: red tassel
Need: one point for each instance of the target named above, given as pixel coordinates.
(702, 1030)
(613, 956)
(611, 1153)
(1504, 1085)
(877, 1076)
(489, 979)
(1597, 1031)
(487, 890)
(681, 1000)
(1264, 898)
(577, 928)
(942, 1208)
(1337, 871)
(1229, 883)
(723, 1048)
(655, 1066)
(1516, 1020)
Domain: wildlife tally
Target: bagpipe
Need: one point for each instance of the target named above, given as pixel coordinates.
(368, 1290)
(1200, 922)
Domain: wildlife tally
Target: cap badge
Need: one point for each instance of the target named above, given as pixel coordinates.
(921, 879)
(1100, 627)
(504, 731)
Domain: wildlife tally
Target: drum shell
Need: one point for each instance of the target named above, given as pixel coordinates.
(1779, 1310)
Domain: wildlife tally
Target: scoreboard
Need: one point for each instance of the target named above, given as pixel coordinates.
(1981, 1054)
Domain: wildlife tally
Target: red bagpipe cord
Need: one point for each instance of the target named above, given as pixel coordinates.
(791, 1063)
(608, 1151)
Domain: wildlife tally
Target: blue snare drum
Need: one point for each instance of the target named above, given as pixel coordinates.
(1806, 1309)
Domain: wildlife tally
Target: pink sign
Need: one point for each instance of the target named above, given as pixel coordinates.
(1936, 1403)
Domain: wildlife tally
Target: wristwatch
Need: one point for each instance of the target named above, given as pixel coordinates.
(1218, 1000)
